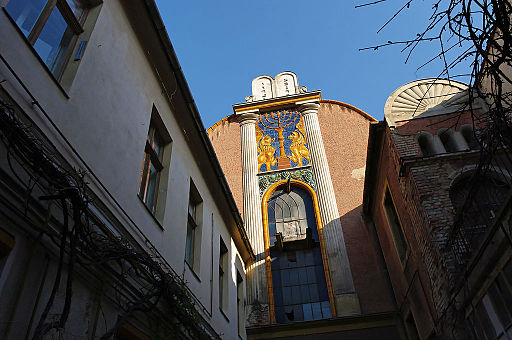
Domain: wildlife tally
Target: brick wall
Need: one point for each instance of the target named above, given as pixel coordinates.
(421, 190)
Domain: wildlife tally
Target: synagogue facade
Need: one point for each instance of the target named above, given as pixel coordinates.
(300, 191)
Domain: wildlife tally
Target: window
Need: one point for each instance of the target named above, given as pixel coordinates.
(491, 318)
(151, 168)
(50, 27)
(193, 242)
(476, 204)
(223, 275)
(240, 304)
(395, 225)
(298, 276)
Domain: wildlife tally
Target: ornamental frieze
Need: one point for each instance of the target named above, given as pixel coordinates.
(304, 175)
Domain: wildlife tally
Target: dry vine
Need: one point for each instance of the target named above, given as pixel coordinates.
(83, 242)
(478, 32)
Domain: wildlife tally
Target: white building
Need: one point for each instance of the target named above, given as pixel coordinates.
(95, 88)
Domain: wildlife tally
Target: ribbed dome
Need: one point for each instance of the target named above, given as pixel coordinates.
(431, 96)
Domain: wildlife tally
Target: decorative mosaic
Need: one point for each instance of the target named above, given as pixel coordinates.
(281, 141)
(303, 175)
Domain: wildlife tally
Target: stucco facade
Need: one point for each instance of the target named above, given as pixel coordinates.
(95, 115)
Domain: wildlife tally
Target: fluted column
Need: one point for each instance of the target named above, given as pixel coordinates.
(341, 276)
(256, 282)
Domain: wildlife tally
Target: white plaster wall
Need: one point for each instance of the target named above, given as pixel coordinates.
(106, 119)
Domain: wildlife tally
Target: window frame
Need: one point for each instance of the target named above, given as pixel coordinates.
(240, 310)
(151, 157)
(223, 274)
(399, 228)
(194, 229)
(74, 23)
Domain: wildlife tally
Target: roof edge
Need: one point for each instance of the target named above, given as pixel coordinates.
(361, 112)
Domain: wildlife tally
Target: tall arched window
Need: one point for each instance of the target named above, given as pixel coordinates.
(485, 202)
(298, 278)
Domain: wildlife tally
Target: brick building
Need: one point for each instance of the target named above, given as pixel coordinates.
(442, 258)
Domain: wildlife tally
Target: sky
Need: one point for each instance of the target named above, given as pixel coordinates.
(222, 45)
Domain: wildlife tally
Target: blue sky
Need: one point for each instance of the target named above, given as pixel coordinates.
(223, 45)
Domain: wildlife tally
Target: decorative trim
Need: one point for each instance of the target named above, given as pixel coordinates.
(276, 103)
(266, 238)
(267, 179)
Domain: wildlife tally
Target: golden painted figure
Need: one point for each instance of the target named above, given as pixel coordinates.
(266, 151)
(297, 149)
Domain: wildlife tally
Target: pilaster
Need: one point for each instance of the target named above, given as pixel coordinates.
(256, 276)
(346, 300)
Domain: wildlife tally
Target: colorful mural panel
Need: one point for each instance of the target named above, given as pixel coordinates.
(281, 140)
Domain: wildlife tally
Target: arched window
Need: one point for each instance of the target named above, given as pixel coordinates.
(298, 278)
(469, 135)
(485, 201)
(426, 143)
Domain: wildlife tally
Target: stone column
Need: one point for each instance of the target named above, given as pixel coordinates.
(256, 276)
(346, 300)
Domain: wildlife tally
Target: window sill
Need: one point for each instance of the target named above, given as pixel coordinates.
(35, 54)
(151, 214)
(193, 271)
(224, 314)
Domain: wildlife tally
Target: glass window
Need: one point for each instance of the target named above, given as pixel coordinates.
(492, 316)
(151, 168)
(240, 304)
(223, 275)
(50, 26)
(395, 225)
(25, 13)
(298, 278)
(193, 225)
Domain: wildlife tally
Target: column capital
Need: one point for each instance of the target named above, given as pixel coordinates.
(309, 106)
(247, 117)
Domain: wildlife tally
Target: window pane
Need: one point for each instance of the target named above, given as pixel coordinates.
(25, 13)
(144, 177)
(189, 246)
(150, 198)
(54, 40)
(485, 321)
(296, 298)
(317, 310)
(287, 296)
(308, 312)
(294, 277)
(76, 7)
(304, 290)
(313, 292)
(326, 309)
(297, 311)
(497, 293)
